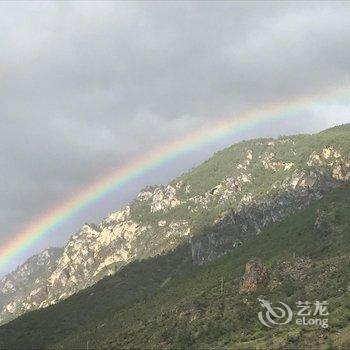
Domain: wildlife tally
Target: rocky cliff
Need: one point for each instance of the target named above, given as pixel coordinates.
(216, 207)
(25, 288)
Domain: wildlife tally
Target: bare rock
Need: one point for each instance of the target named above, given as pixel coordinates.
(256, 275)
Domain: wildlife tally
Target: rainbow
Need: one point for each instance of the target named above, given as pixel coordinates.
(53, 218)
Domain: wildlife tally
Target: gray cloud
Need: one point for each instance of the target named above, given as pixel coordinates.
(85, 86)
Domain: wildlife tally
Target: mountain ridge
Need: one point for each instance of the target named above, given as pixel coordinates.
(246, 187)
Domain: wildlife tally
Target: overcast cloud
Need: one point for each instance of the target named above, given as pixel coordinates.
(85, 87)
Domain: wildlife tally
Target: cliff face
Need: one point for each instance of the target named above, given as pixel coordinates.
(250, 217)
(216, 206)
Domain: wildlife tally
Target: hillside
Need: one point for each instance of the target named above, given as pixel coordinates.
(214, 208)
(28, 280)
(170, 302)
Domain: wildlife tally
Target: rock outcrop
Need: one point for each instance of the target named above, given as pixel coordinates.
(256, 275)
(163, 199)
(25, 288)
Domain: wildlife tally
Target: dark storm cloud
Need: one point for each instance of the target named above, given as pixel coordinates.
(86, 86)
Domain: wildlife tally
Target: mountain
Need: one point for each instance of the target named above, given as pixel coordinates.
(170, 302)
(24, 289)
(214, 208)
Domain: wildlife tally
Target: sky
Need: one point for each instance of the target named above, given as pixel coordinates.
(86, 87)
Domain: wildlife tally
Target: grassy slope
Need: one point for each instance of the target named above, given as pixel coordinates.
(223, 163)
(295, 149)
(129, 310)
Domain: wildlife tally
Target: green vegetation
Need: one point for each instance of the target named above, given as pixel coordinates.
(166, 302)
(295, 149)
(223, 164)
